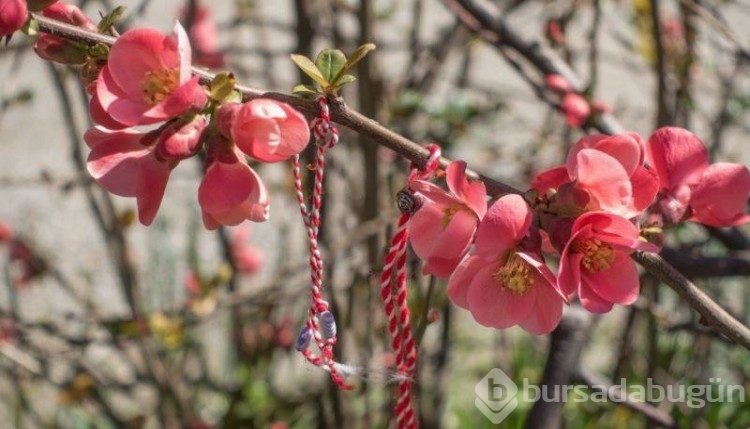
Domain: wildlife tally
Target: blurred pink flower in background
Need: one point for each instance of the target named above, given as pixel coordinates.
(5, 233)
(442, 230)
(576, 109)
(247, 258)
(203, 36)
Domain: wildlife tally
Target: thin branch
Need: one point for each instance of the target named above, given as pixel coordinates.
(615, 394)
(712, 313)
(340, 112)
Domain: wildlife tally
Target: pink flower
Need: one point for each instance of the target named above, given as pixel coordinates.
(5, 233)
(53, 48)
(231, 192)
(576, 109)
(443, 228)
(203, 36)
(506, 282)
(265, 129)
(147, 78)
(596, 261)
(630, 151)
(715, 195)
(554, 32)
(601, 173)
(125, 164)
(13, 15)
(720, 197)
(247, 259)
(30, 264)
(558, 84)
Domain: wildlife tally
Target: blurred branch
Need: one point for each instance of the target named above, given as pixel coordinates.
(615, 394)
(566, 343)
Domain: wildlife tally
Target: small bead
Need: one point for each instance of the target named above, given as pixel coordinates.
(303, 339)
(328, 324)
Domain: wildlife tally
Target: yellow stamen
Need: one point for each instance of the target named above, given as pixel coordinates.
(159, 84)
(515, 276)
(448, 214)
(597, 256)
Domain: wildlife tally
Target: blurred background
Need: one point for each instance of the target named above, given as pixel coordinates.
(105, 323)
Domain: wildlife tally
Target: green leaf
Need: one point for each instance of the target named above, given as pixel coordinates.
(109, 20)
(359, 54)
(343, 80)
(353, 59)
(330, 62)
(306, 89)
(310, 69)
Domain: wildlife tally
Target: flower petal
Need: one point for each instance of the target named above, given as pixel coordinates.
(458, 285)
(677, 155)
(115, 159)
(225, 186)
(618, 284)
(451, 244)
(492, 305)
(720, 198)
(152, 182)
(472, 193)
(547, 311)
(507, 221)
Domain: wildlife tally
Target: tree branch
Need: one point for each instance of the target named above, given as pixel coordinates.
(712, 313)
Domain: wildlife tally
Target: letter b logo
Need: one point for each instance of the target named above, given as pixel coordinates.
(496, 396)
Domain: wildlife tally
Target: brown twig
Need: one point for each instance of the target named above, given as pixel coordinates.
(342, 114)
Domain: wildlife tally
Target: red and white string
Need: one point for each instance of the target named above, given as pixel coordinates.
(326, 137)
(394, 294)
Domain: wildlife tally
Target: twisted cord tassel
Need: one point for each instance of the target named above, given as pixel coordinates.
(394, 295)
(326, 137)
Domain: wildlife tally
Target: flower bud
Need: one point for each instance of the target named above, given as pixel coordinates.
(181, 139)
(225, 117)
(408, 201)
(13, 16)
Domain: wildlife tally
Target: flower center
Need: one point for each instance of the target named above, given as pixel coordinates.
(597, 256)
(448, 214)
(159, 84)
(515, 276)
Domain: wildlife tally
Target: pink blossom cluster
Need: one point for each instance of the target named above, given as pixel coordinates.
(588, 214)
(151, 114)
